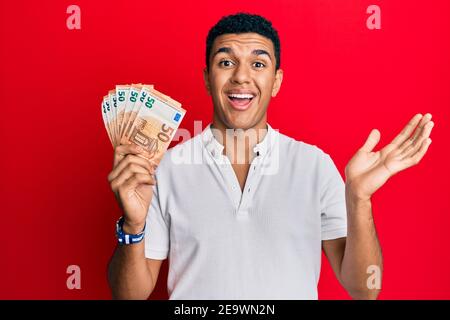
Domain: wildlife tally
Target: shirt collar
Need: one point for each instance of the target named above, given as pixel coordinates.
(215, 148)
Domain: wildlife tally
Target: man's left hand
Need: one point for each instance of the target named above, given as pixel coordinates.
(367, 171)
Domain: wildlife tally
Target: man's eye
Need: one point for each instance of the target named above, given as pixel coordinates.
(225, 63)
(259, 65)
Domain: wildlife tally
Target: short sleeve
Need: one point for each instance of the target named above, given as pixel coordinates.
(332, 201)
(156, 230)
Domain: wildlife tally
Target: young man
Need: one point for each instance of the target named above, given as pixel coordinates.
(252, 226)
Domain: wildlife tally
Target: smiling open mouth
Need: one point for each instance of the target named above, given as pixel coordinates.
(240, 101)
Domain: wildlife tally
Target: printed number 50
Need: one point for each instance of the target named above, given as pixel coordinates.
(165, 134)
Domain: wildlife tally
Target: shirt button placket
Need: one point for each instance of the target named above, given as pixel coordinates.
(247, 195)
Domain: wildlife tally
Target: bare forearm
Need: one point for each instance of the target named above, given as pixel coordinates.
(362, 250)
(129, 276)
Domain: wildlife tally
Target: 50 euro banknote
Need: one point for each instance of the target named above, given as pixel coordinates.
(142, 116)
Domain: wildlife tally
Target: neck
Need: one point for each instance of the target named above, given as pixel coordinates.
(239, 143)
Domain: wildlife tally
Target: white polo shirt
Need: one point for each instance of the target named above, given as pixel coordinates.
(262, 243)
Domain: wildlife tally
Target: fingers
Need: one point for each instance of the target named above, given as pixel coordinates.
(407, 130)
(137, 179)
(129, 171)
(372, 141)
(407, 145)
(416, 142)
(425, 119)
(126, 161)
(415, 158)
(124, 149)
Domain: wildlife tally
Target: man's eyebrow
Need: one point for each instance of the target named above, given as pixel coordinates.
(256, 52)
(223, 49)
(261, 52)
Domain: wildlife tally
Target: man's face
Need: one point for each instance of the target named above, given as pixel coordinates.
(242, 79)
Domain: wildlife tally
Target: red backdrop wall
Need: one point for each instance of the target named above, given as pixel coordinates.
(341, 80)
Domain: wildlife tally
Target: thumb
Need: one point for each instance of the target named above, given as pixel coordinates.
(372, 141)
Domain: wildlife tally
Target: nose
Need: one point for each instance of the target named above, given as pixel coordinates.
(241, 74)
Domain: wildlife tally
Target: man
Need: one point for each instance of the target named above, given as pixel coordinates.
(251, 227)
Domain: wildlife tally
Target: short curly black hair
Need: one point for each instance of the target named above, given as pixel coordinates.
(243, 23)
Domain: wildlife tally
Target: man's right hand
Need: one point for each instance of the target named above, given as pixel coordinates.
(131, 180)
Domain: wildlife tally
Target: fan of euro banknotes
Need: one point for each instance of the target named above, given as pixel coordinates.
(140, 114)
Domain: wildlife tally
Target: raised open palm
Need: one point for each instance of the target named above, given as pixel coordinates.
(367, 171)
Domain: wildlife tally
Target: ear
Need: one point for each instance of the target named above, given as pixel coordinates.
(277, 83)
(206, 79)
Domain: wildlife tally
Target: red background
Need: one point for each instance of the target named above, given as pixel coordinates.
(341, 80)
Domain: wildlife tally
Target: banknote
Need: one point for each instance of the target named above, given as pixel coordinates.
(139, 114)
(122, 92)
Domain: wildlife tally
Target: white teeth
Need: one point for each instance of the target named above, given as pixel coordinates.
(241, 96)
